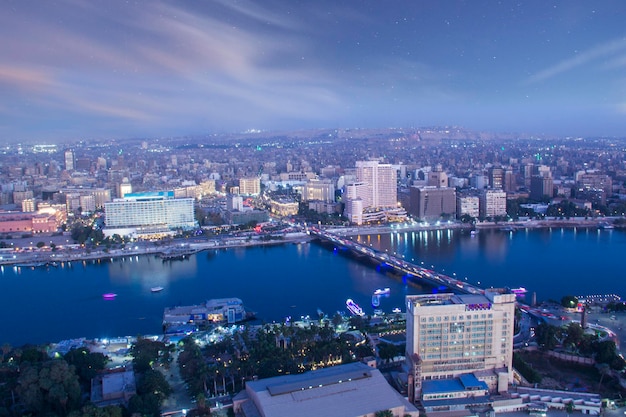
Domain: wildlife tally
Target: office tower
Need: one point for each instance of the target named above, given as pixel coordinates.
(496, 177)
(432, 203)
(69, 160)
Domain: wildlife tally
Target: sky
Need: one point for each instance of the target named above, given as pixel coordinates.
(82, 69)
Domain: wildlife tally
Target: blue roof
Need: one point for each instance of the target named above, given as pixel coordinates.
(434, 386)
(465, 382)
(470, 381)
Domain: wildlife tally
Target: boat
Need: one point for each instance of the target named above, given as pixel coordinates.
(109, 296)
(382, 291)
(396, 310)
(375, 300)
(156, 289)
(354, 308)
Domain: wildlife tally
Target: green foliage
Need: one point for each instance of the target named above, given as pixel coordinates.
(569, 301)
(91, 410)
(86, 363)
(525, 369)
(147, 405)
(566, 209)
(50, 386)
(153, 382)
(86, 234)
(387, 351)
(145, 352)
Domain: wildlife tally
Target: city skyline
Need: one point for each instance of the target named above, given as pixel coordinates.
(75, 70)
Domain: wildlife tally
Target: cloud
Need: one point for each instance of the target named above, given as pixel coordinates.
(591, 55)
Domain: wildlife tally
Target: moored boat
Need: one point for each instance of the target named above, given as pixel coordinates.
(382, 291)
(354, 308)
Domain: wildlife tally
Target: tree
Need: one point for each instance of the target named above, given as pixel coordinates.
(546, 336)
(40, 244)
(574, 336)
(569, 301)
(50, 386)
(145, 352)
(86, 363)
(153, 382)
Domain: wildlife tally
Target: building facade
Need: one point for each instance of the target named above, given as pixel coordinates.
(319, 190)
(492, 203)
(381, 180)
(250, 186)
(467, 205)
(149, 210)
(432, 203)
(450, 335)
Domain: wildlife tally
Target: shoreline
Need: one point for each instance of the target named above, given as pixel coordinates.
(25, 255)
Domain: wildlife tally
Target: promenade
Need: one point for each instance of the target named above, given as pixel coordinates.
(26, 253)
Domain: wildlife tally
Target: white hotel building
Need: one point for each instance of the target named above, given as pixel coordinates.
(451, 335)
(148, 214)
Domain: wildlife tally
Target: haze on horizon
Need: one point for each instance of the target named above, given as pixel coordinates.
(78, 69)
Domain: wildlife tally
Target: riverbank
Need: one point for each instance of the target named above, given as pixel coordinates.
(574, 222)
(26, 255)
(24, 251)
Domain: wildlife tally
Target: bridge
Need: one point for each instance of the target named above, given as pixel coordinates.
(410, 270)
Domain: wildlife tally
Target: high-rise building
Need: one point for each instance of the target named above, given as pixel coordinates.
(69, 160)
(509, 184)
(432, 203)
(451, 335)
(381, 180)
(541, 186)
(150, 210)
(250, 186)
(496, 178)
(492, 203)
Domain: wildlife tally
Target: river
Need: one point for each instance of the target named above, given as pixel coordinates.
(45, 305)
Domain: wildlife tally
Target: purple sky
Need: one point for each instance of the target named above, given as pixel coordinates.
(82, 69)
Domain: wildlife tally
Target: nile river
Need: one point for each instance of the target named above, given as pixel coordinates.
(44, 305)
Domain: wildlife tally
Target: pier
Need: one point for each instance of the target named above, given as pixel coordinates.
(393, 263)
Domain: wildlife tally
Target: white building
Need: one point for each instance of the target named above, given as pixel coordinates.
(493, 203)
(353, 389)
(69, 160)
(451, 335)
(320, 190)
(250, 186)
(375, 186)
(381, 180)
(467, 204)
(150, 211)
(124, 188)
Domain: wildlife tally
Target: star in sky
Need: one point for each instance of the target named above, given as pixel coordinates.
(75, 69)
